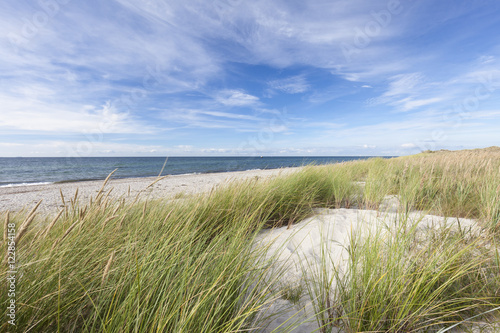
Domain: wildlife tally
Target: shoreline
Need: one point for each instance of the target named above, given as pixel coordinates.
(17, 198)
(71, 181)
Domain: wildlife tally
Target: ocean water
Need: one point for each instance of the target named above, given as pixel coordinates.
(30, 171)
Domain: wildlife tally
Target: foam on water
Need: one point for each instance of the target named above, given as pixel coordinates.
(25, 184)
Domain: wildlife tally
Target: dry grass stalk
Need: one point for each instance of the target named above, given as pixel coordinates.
(54, 245)
(24, 226)
(106, 181)
(144, 210)
(5, 226)
(59, 240)
(62, 198)
(135, 200)
(156, 181)
(107, 220)
(104, 204)
(82, 212)
(98, 198)
(38, 233)
(166, 217)
(120, 224)
(117, 207)
(34, 209)
(106, 269)
(106, 199)
(49, 227)
(163, 167)
(405, 169)
(75, 198)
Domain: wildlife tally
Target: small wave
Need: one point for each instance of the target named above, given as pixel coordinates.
(26, 184)
(77, 180)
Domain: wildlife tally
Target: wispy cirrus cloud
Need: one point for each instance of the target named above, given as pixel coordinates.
(474, 84)
(404, 84)
(147, 69)
(291, 85)
(202, 118)
(237, 98)
(410, 104)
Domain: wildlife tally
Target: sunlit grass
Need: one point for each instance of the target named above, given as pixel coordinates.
(188, 265)
(401, 280)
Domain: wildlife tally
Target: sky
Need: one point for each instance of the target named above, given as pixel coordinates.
(246, 78)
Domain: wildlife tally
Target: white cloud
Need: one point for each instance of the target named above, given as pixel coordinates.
(402, 91)
(486, 114)
(35, 115)
(186, 148)
(280, 33)
(215, 150)
(325, 124)
(10, 144)
(80, 148)
(351, 77)
(409, 104)
(199, 118)
(408, 145)
(487, 59)
(291, 85)
(404, 84)
(236, 98)
(228, 115)
(410, 91)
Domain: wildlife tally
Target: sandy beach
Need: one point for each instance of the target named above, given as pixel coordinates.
(297, 253)
(19, 197)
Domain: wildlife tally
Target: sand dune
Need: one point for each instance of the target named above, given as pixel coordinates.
(298, 253)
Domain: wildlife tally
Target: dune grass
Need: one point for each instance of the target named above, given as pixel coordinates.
(188, 265)
(404, 280)
(178, 266)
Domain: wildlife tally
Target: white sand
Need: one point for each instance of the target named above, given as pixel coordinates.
(19, 197)
(292, 250)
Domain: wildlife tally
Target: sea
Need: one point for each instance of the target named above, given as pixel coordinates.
(22, 171)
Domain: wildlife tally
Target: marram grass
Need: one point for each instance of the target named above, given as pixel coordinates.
(404, 281)
(188, 265)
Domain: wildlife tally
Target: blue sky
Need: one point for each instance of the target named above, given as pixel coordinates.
(237, 77)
